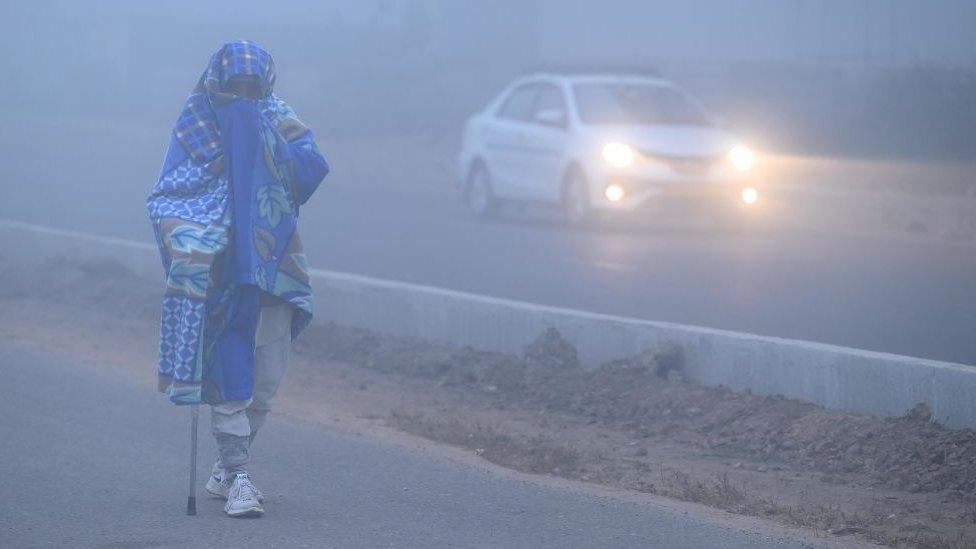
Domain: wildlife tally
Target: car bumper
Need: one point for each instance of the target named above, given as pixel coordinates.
(678, 196)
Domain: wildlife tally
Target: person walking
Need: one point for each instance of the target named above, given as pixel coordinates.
(224, 213)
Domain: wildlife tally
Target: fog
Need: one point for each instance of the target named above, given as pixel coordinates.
(584, 273)
(895, 77)
(862, 113)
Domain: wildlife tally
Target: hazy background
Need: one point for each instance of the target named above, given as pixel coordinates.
(852, 77)
(862, 110)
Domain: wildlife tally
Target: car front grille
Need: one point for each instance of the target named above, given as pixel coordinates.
(687, 165)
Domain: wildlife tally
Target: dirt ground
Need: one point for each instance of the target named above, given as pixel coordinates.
(631, 424)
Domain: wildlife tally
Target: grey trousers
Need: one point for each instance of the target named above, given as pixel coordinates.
(235, 422)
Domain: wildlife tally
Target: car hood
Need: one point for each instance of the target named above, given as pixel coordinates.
(684, 141)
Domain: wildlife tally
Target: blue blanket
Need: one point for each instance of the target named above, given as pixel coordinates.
(224, 212)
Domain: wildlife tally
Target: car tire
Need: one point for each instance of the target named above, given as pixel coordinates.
(479, 195)
(576, 200)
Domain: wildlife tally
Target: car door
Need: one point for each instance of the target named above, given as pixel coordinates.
(505, 141)
(545, 144)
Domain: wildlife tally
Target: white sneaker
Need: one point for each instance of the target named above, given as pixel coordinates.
(242, 500)
(219, 483)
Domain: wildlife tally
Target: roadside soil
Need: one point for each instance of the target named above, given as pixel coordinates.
(632, 424)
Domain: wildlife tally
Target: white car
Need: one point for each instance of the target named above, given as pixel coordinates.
(603, 143)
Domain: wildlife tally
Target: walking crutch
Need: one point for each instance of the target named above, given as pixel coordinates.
(191, 499)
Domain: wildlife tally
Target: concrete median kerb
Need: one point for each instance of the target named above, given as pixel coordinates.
(831, 376)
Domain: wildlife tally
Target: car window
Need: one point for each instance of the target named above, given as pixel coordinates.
(550, 99)
(519, 105)
(636, 104)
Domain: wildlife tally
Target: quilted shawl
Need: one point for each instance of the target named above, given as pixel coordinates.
(224, 213)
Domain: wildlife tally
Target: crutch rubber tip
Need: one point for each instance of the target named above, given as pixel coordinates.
(191, 506)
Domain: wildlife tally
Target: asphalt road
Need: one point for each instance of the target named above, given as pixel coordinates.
(902, 295)
(899, 295)
(94, 461)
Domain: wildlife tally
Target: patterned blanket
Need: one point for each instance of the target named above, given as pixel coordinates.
(224, 212)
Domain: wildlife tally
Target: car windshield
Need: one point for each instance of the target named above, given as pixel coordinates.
(636, 105)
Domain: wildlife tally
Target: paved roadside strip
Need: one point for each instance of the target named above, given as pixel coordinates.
(830, 376)
(95, 460)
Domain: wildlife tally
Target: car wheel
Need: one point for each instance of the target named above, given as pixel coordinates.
(576, 200)
(479, 196)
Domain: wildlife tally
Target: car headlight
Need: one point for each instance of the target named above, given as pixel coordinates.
(618, 155)
(742, 158)
(614, 192)
(749, 195)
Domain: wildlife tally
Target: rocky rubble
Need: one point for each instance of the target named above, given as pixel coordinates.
(646, 396)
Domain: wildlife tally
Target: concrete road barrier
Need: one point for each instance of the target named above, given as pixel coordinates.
(831, 376)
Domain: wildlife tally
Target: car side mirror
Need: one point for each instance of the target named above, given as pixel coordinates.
(551, 117)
